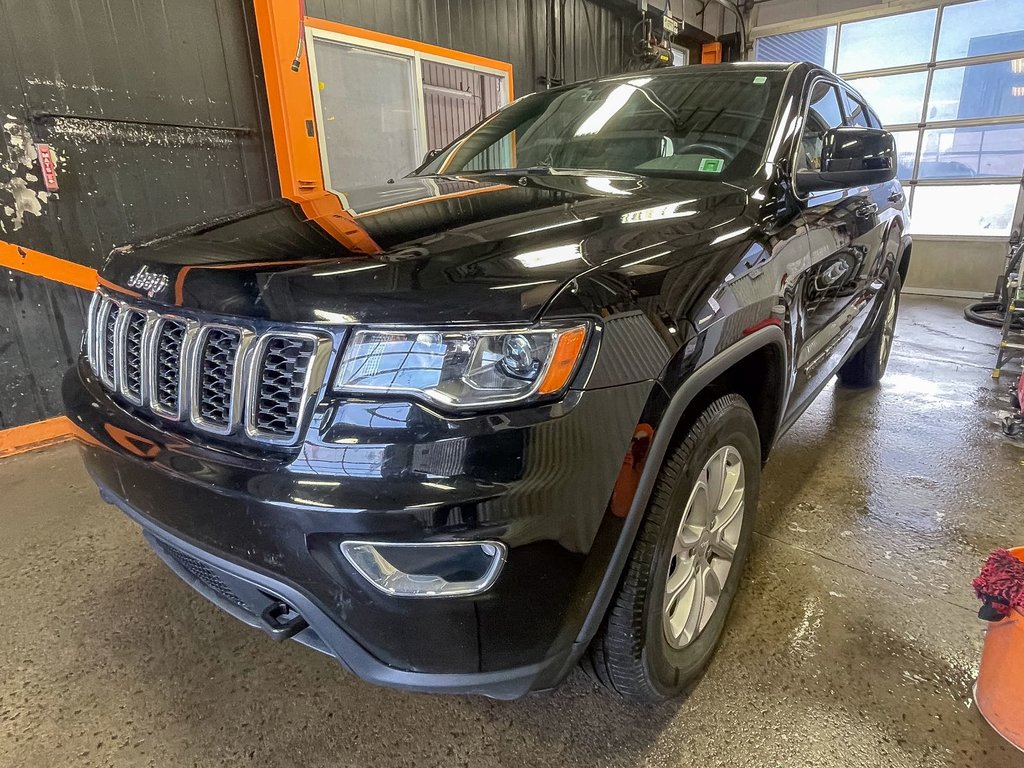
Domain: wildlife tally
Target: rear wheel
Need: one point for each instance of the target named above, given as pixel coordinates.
(866, 368)
(670, 608)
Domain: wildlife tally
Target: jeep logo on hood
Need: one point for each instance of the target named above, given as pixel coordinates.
(150, 283)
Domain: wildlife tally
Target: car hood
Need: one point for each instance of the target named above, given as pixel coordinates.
(423, 250)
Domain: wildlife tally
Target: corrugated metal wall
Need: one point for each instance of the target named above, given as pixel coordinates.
(508, 30)
(155, 111)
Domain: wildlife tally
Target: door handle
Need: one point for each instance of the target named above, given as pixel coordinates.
(869, 209)
(896, 197)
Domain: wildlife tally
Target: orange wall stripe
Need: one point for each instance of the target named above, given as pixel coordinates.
(22, 259)
(36, 435)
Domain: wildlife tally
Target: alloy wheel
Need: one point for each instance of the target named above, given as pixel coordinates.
(704, 547)
(888, 330)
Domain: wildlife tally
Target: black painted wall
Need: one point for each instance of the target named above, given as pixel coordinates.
(507, 30)
(156, 112)
(152, 108)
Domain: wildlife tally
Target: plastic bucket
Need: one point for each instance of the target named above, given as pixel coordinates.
(999, 692)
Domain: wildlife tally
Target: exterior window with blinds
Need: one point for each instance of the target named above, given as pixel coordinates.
(381, 106)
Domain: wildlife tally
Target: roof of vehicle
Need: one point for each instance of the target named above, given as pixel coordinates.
(735, 66)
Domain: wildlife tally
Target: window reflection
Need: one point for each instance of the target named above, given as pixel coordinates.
(898, 99)
(990, 150)
(982, 27)
(863, 44)
(980, 90)
(977, 209)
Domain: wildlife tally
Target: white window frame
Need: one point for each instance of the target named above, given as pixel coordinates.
(416, 57)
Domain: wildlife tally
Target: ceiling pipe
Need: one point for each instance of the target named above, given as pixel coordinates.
(739, 24)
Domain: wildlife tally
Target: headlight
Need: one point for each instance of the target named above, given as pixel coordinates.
(462, 369)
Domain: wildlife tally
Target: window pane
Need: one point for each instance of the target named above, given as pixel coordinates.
(855, 113)
(889, 41)
(823, 113)
(994, 150)
(978, 209)
(898, 99)
(817, 46)
(370, 127)
(980, 90)
(906, 151)
(968, 29)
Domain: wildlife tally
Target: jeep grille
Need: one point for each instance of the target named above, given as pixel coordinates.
(222, 378)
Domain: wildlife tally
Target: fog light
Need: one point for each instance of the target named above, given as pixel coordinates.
(443, 569)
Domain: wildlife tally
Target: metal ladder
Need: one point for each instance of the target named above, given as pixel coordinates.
(1011, 343)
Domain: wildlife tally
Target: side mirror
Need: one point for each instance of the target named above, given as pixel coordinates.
(431, 155)
(852, 157)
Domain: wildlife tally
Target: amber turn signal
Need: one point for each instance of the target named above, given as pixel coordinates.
(563, 362)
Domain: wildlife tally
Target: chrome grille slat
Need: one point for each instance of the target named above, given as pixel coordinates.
(214, 378)
(107, 346)
(90, 333)
(282, 367)
(220, 378)
(131, 345)
(168, 359)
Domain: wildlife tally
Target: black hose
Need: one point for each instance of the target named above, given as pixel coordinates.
(989, 313)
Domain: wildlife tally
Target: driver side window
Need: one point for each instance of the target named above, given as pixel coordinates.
(823, 113)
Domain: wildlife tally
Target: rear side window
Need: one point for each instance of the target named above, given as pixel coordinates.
(823, 113)
(856, 112)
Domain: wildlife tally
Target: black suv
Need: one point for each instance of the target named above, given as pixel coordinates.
(509, 412)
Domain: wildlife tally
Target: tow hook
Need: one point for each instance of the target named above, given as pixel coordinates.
(282, 621)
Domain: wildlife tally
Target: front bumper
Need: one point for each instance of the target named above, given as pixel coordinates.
(267, 527)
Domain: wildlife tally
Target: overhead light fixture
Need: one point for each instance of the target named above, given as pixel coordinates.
(520, 285)
(547, 256)
(349, 270)
(729, 235)
(604, 184)
(615, 101)
(670, 211)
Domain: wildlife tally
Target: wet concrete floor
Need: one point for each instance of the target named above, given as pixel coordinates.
(854, 641)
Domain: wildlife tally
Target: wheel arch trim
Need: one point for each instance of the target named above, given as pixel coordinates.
(679, 401)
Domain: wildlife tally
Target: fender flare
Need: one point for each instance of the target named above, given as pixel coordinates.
(693, 386)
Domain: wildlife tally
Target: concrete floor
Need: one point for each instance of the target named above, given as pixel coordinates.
(853, 643)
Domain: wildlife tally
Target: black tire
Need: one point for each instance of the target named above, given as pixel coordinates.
(866, 368)
(631, 654)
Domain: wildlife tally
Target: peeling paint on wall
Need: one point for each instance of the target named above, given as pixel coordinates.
(18, 195)
(85, 130)
(60, 85)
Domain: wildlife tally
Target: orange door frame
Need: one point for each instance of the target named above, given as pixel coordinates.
(280, 27)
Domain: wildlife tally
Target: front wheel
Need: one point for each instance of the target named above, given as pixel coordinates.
(670, 608)
(866, 368)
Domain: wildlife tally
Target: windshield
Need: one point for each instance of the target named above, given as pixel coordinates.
(689, 123)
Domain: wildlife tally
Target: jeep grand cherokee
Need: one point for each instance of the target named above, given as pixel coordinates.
(507, 413)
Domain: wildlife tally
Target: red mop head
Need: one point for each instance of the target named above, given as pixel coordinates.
(1000, 585)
